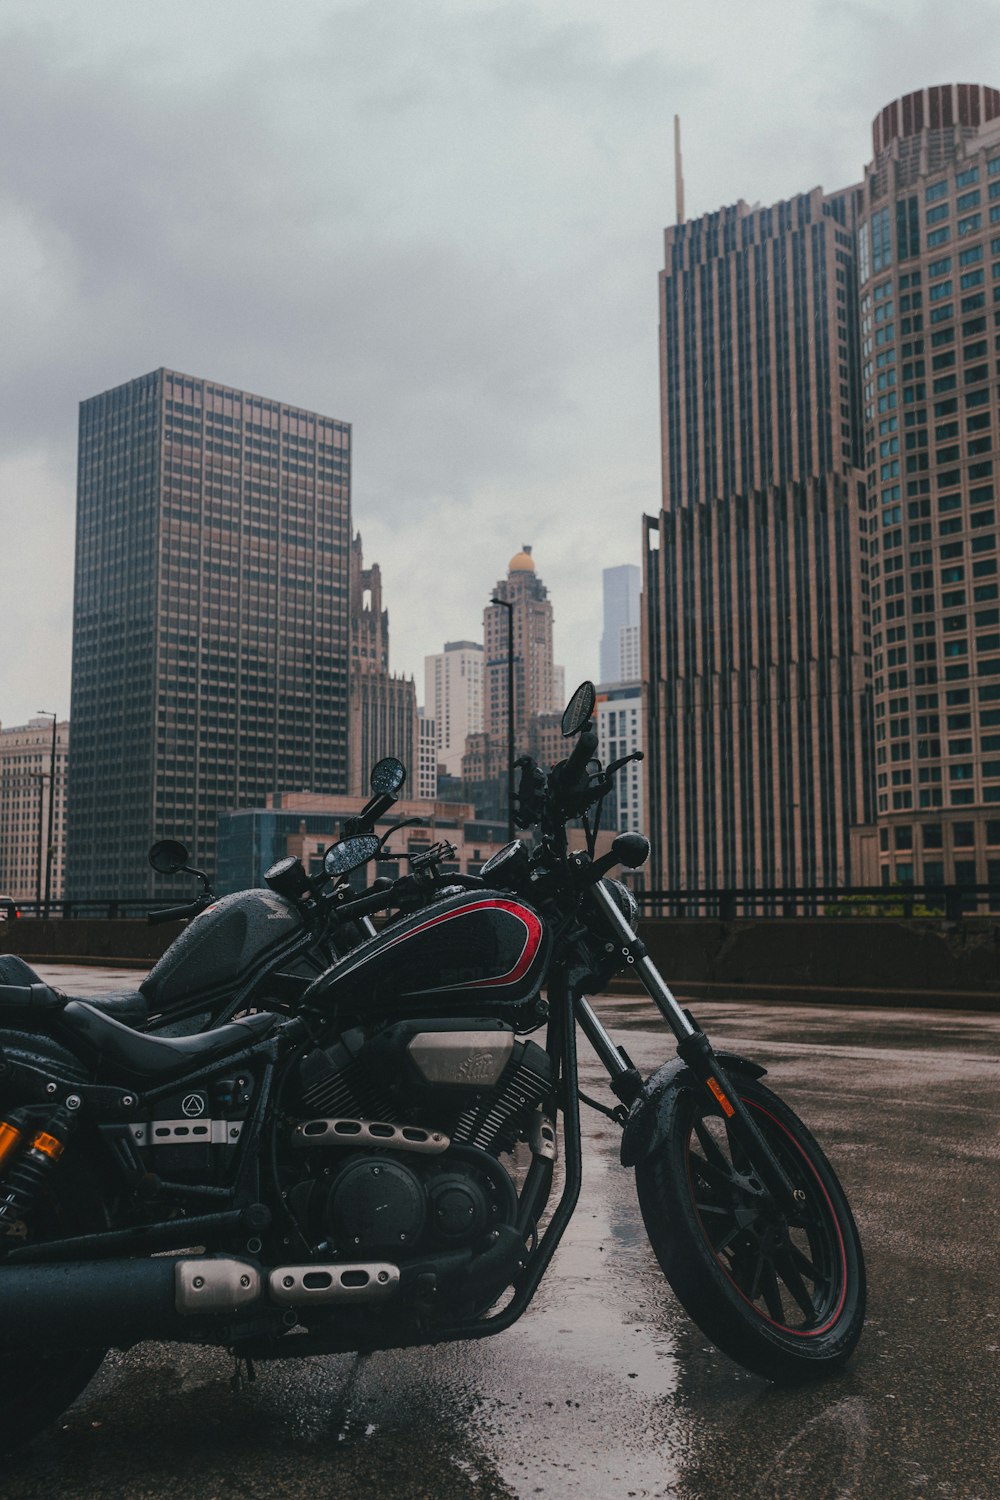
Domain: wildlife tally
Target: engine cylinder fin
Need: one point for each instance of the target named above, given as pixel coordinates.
(523, 1092)
(347, 1094)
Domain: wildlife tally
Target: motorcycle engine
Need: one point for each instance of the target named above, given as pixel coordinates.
(400, 1132)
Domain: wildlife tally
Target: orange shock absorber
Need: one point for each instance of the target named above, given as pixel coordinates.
(32, 1165)
(10, 1134)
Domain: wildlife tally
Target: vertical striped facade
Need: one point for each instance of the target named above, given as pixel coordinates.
(755, 572)
(210, 626)
(762, 730)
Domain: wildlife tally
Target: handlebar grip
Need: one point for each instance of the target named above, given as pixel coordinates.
(173, 913)
(364, 905)
(573, 767)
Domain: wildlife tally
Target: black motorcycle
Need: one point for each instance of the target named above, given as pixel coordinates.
(256, 949)
(350, 1172)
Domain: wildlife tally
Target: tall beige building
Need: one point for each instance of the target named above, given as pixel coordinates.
(534, 673)
(25, 771)
(538, 686)
(929, 285)
(453, 695)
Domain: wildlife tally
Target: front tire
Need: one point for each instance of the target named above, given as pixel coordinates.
(783, 1297)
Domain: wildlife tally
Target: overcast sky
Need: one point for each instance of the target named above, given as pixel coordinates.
(439, 220)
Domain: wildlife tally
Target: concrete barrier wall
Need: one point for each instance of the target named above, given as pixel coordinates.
(923, 961)
(91, 939)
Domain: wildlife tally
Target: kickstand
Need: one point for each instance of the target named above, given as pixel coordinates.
(243, 1372)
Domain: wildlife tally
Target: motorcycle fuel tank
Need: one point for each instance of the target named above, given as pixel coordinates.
(222, 947)
(475, 953)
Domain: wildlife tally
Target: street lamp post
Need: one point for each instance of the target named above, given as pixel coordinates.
(41, 777)
(508, 606)
(47, 714)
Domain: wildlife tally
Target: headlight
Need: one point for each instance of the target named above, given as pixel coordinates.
(624, 900)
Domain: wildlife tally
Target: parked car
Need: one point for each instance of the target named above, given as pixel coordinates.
(8, 909)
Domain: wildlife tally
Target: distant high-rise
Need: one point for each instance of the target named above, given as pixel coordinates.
(929, 286)
(383, 718)
(534, 676)
(756, 570)
(536, 684)
(210, 631)
(25, 771)
(620, 659)
(453, 695)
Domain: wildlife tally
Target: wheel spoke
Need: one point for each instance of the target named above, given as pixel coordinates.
(713, 1176)
(801, 1262)
(772, 1292)
(796, 1285)
(711, 1148)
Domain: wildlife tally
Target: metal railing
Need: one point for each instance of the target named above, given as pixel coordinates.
(727, 903)
(99, 907)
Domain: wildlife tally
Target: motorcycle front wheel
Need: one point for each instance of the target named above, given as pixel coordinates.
(782, 1295)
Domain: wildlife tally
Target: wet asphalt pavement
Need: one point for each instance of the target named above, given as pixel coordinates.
(605, 1388)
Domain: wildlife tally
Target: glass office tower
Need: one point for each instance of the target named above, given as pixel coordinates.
(929, 274)
(210, 629)
(755, 573)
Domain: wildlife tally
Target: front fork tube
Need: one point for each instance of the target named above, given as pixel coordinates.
(694, 1049)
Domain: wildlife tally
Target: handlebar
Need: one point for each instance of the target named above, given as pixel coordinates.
(399, 890)
(175, 913)
(567, 776)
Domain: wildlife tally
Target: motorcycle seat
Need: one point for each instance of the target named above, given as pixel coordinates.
(22, 989)
(131, 1055)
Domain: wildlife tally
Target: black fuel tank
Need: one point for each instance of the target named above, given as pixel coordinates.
(222, 947)
(482, 952)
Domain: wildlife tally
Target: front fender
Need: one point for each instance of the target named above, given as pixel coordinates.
(650, 1117)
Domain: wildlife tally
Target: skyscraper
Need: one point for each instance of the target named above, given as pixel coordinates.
(534, 678)
(755, 583)
(210, 630)
(823, 647)
(929, 284)
(383, 718)
(620, 639)
(453, 693)
(25, 771)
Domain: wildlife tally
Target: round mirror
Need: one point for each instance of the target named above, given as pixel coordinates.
(168, 856)
(350, 854)
(579, 709)
(387, 776)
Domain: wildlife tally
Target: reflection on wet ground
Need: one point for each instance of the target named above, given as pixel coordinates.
(605, 1388)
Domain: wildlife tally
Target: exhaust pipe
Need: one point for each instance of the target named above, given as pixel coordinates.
(120, 1302)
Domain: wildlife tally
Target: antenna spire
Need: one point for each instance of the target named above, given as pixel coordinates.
(678, 170)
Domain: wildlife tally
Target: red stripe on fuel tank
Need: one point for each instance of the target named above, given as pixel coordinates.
(532, 940)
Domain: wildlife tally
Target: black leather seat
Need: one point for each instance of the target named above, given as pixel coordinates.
(130, 1055)
(22, 989)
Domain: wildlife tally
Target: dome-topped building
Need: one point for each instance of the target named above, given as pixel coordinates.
(534, 674)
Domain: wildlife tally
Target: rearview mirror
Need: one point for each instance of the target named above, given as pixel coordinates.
(168, 857)
(387, 776)
(579, 709)
(350, 854)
